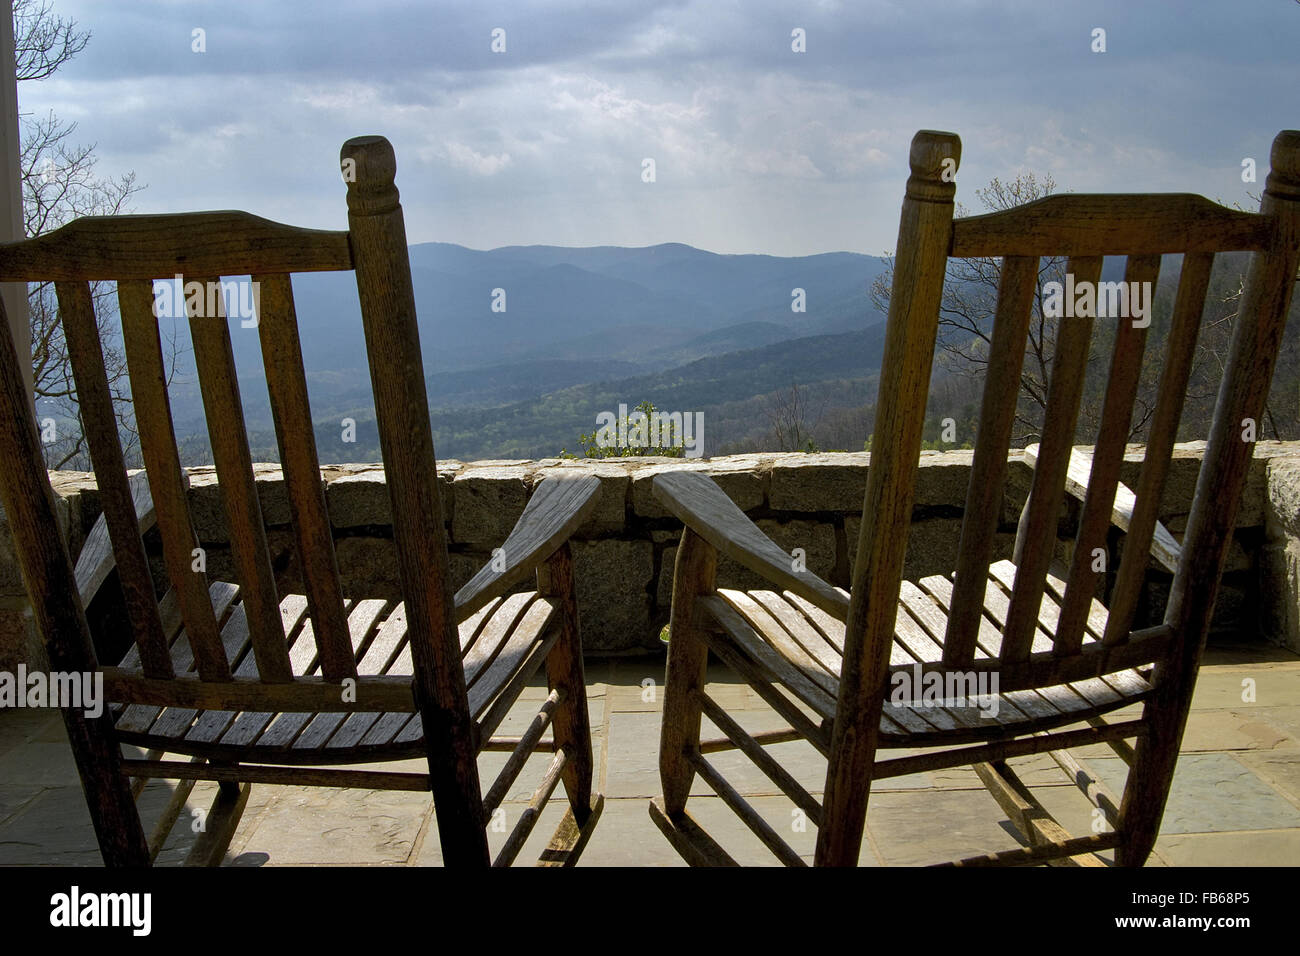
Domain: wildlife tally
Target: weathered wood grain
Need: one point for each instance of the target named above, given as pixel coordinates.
(1108, 456)
(1256, 344)
(567, 678)
(378, 240)
(1061, 659)
(286, 384)
(167, 482)
(59, 616)
(1036, 536)
(924, 236)
(694, 575)
(228, 434)
(170, 244)
(700, 504)
(1016, 288)
(1164, 547)
(1145, 532)
(556, 509)
(1115, 224)
(317, 679)
(100, 428)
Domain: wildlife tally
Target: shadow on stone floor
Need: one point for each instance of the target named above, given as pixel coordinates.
(1235, 799)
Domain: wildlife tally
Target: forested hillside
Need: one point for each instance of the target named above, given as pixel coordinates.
(694, 337)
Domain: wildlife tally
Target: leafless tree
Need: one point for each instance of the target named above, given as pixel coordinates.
(788, 413)
(43, 41)
(969, 304)
(60, 183)
(966, 316)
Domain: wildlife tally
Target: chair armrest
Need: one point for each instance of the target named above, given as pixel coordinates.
(96, 560)
(1164, 547)
(703, 507)
(558, 506)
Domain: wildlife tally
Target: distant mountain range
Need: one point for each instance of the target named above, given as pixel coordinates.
(581, 328)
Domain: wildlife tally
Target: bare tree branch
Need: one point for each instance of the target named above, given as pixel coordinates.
(60, 183)
(43, 42)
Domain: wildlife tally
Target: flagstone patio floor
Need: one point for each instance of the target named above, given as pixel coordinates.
(1235, 799)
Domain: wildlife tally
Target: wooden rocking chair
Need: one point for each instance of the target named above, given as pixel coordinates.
(829, 662)
(251, 685)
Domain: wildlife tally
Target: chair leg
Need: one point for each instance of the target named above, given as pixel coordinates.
(854, 738)
(570, 723)
(162, 827)
(688, 838)
(457, 802)
(220, 825)
(570, 837)
(688, 657)
(1147, 789)
(108, 793)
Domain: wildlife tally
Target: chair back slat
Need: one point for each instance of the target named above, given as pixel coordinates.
(219, 385)
(286, 384)
(99, 421)
(166, 481)
(1036, 537)
(1185, 324)
(1016, 290)
(1088, 562)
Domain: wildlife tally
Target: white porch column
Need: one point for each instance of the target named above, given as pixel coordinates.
(11, 188)
(19, 642)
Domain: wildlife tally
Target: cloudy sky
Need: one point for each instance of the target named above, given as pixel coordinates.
(757, 148)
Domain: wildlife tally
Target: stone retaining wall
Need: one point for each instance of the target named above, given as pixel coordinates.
(624, 553)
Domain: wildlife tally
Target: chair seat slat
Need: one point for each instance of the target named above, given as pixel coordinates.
(930, 611)
(362, 623)
(1095, 624)
(765, 623)
(380, 658)
(249, 725)
(177, 721)
(1031, 702)
(1044, 689)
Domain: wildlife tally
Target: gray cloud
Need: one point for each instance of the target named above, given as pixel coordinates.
(757, 148)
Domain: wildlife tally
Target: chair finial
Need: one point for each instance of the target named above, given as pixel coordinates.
(1284, 166)
(369, 166)
(934, 159)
